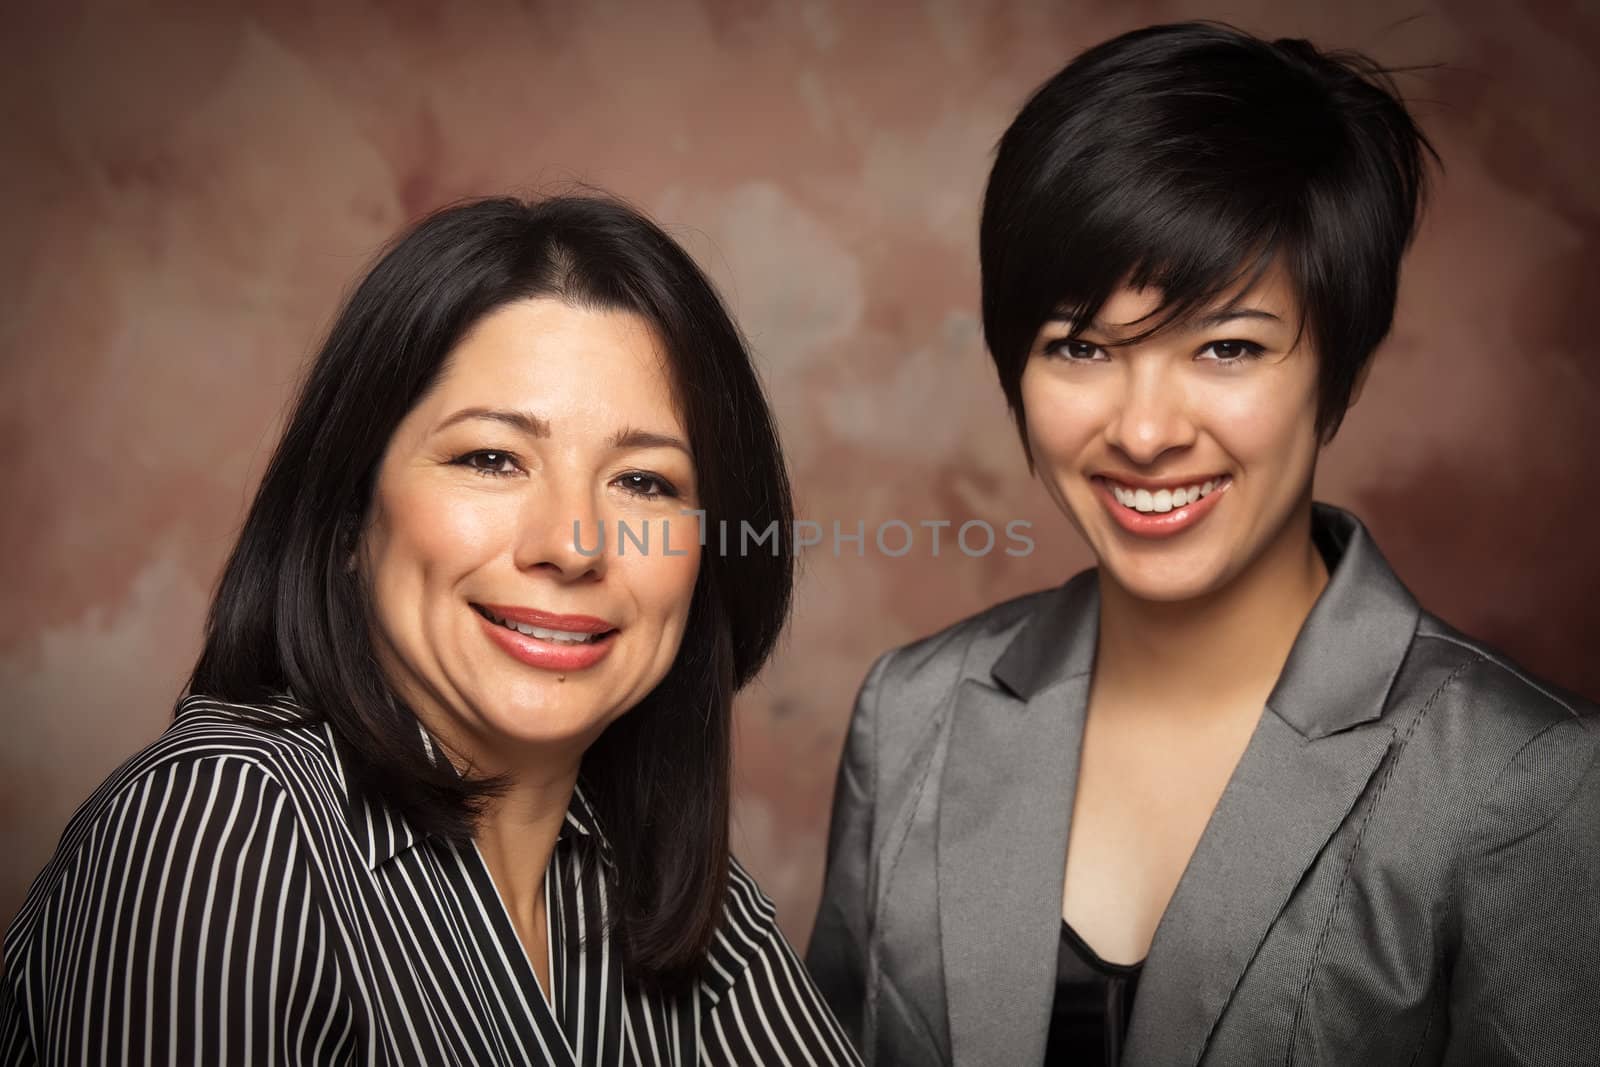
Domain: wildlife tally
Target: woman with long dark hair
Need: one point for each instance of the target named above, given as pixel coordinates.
(451, 780)
(1232, 796)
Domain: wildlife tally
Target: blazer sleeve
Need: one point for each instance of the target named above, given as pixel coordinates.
(1525, 988)
(177, 923)
(837, 953)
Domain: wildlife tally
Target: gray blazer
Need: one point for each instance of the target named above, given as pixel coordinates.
(1403, 869)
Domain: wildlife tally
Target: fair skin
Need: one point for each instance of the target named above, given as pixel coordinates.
(1200, 604)
(545, 413)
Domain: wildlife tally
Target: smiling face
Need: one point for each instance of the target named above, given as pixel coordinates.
(1186, 459)
(501, 627)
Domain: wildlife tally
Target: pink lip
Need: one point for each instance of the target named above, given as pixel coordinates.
(550, 655)
(578, 624)
(1158, 524)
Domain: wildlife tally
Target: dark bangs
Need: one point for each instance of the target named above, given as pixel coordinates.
(1190, 158)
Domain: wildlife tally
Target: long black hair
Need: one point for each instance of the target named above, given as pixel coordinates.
(290, 616)
(1188, 158)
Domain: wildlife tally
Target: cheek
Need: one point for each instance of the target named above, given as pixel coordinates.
(661, 585)
(1060, 420)
(416, 535)
(1265, 424)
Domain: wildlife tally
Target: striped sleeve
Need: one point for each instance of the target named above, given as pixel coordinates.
(177, 924)
(763, 1007)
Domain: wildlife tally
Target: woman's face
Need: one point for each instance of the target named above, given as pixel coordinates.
(504, 630)
(1181, 459)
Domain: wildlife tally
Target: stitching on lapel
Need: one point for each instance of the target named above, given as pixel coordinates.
(902, 830)
(1434, 1011)
(1355, 848)
(908, 1013)
(937, 726)
(914, 798)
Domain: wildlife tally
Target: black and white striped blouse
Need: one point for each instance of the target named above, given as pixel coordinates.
(224, 899)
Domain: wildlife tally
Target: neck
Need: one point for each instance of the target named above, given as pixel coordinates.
(1228, 645)
(517, 830)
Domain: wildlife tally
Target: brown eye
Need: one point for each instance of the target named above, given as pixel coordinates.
(1233, 351)
(647, 485)
(1072, 351)
(489, 462)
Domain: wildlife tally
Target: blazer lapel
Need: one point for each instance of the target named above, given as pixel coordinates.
(1285, 799)
(1317, 745)
(1005, 805)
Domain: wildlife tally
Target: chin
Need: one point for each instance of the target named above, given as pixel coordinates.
(1164, 581)
(1163, 592)
(545, 712)
(545, 726)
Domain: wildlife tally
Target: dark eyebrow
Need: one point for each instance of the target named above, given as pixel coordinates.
(1196, 322)
(647, 439)
(1217, 318)
(532, 425)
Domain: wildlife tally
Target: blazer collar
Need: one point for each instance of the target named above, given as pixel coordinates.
(1349, 651)
(1338, 672)
(1057, 643)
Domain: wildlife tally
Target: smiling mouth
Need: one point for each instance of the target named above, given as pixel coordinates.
(543, 633)
(1159, 501)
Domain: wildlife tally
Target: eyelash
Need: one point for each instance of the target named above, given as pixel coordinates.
(1061, 346)
(662, 487)
(466, 460)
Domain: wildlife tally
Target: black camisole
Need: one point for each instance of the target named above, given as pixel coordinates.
(1094, 1000)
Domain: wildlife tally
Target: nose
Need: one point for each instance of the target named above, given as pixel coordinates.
(561, 533)
(1152, 416)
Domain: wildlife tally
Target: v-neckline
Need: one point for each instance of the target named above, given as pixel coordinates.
(506, 931)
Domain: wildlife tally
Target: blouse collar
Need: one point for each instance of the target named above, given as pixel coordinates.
(381, 832)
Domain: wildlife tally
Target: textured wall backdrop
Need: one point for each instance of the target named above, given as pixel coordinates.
(187, 191)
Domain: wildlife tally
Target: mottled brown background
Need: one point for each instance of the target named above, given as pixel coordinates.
(186, 192)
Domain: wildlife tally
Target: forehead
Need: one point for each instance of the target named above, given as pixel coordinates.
(1268, 300)
(562, 360)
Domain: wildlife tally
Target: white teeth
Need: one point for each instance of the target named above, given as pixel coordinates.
(1162, 500)
(559, 636)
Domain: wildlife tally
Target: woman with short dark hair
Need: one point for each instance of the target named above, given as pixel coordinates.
(1231, 797)
(451, 780)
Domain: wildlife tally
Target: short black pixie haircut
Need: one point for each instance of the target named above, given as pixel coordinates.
(1190, 157)
(291, 617)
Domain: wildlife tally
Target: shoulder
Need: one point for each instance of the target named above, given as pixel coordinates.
(1528, 747)
(760, 1003)
(192, 862)
(908, 687)
(747, 935)
(1484, 692)
(220, 776)
(271, 740)
(749, 921)
(966, 648)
